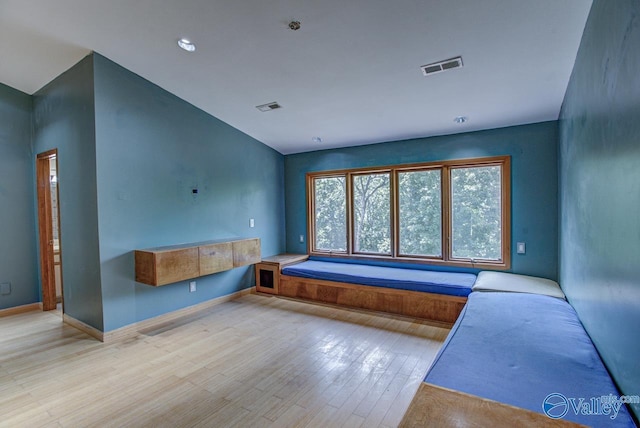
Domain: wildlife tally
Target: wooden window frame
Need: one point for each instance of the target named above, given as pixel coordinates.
(446, 209)
(311, 209)
(352, 215)
(396, 235)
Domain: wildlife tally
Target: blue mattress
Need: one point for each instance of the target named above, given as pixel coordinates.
(450, 283)
(520, 348)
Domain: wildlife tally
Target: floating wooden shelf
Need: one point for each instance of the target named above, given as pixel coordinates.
(166, 265)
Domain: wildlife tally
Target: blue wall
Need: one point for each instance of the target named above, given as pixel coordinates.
(18, 253)
(130, 154)
(600, 187)
(152, 149)
(533, 150)
(64, 119)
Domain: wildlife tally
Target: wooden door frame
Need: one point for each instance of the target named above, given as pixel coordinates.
(45, 229)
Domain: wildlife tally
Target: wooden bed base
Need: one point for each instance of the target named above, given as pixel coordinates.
(434, 406)
(435, 307)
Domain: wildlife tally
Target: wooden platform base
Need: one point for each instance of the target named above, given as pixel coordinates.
(434, 406)
(436, 307)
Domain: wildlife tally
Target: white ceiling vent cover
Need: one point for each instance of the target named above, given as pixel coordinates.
(437, 67)
(269, 106)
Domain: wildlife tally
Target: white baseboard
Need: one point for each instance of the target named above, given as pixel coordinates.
(132, 330)
(20, 309)
(91, 331)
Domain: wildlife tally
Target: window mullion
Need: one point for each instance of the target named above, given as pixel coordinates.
(311, 218)
(350, 214)
(446, 213)
(506, 210)
(393, 220)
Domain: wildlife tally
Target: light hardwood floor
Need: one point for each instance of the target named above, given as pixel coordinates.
(255, 361)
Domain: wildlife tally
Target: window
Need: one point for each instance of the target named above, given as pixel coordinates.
(453, 212)
(476, 217)
(330, 214)
(371, 213)
(420, 213)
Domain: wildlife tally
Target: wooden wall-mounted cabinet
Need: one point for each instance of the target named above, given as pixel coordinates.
(166, 265)
(216, 257)
(246, 252)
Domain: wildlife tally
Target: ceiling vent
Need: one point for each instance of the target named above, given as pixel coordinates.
(269, 106)
(437, 67)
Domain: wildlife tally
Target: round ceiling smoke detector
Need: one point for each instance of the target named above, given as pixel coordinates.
(187, 45)
(294, 25)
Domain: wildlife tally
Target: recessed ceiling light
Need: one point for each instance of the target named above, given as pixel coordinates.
(294, 25)
(460, 119)
(316, 140)
(187, 45)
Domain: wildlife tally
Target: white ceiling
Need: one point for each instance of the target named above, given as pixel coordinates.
(350, 75)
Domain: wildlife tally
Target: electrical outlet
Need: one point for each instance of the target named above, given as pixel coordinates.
(302, 239)
(192, 286)
(251, 223)
(5, 288)
(521, 248)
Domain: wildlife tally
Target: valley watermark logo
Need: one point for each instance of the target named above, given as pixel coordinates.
(556, 405)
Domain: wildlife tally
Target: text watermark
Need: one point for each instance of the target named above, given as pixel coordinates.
(556, 405)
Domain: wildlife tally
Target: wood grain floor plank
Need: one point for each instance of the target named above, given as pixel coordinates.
(253, 362)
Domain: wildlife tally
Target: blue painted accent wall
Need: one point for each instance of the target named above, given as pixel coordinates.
(600, 187)
(533, 150)
(18, 253)
(152, 149)
(64, 119)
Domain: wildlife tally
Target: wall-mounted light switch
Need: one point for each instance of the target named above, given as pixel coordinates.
(302, 239)
(192, 286)
(521, 248)
(5, 288)
(251, 223)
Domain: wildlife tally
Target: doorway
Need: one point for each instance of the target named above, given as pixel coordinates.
(49, 230)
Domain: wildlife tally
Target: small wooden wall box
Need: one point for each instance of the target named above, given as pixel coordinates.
(166, 265)
(268, 271)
